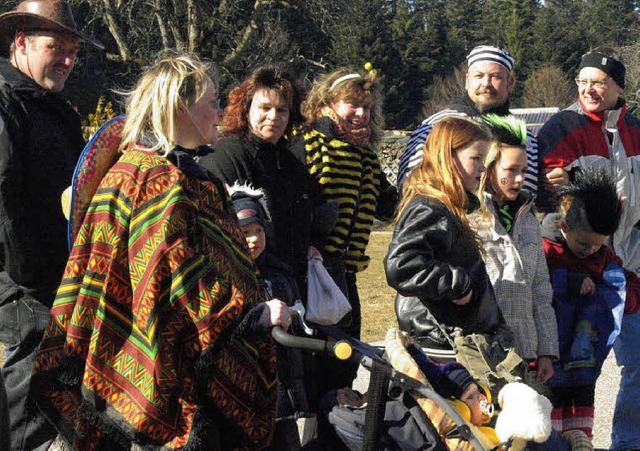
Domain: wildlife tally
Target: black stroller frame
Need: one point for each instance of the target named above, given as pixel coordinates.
(386, 382)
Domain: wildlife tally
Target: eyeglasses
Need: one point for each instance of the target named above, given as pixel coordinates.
(597, 84)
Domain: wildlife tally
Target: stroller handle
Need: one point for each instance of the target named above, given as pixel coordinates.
(341, 349)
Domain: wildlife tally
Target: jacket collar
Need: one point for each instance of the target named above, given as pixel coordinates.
(325, 125)
(20, 82)
(466, 105)
(473, 203)
(600, 117)
(522, 203)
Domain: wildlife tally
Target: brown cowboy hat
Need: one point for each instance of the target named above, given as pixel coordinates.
(54, 15)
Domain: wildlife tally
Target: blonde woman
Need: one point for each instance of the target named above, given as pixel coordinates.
(159, 329)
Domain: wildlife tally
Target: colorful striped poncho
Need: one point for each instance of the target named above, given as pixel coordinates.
(145, 335)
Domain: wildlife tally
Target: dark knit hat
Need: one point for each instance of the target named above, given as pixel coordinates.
(460, 376)
(249, 210)
(249, 204)
(608, 61)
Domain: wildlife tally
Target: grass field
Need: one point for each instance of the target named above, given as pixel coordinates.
(376, 297)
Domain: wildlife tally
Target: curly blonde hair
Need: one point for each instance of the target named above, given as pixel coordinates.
(362, 88)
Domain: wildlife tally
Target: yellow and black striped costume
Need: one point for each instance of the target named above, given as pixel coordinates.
(351, 177)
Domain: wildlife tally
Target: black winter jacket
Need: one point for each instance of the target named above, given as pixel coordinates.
(38, 153)
(290, 192)
(432, 261)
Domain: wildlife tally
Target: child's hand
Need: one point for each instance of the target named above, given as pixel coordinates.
(464, 300)
(557, 177)
(588, 287)
(544, 369)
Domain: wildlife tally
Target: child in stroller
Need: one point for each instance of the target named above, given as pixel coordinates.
(404, 411)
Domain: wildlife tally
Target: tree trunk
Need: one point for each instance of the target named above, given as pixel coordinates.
(113, 24)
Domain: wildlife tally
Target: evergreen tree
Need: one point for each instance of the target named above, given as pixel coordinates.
(610, 22)
(509, 24)
(419, 39)
(464, 17)
(557, 23)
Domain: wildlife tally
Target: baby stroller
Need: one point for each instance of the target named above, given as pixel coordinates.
(403, 411)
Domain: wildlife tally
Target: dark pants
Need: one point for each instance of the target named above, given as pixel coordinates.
(332, 374)
(575, 396)
(22, 323)
(5, 441)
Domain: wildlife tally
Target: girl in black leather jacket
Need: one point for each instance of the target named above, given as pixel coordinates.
(434, 259)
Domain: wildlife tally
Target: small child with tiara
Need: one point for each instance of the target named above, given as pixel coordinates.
(590, 290)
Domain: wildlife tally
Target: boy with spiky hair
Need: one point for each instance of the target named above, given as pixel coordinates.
(590, 291)
(513, 254)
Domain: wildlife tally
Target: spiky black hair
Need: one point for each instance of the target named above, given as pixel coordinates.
(591, 200)
(507, 130)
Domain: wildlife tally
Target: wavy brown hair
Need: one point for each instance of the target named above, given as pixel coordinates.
(437, 177)
(236, 114)
(366, 87)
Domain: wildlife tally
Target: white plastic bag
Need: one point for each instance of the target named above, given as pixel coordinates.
(326, 304)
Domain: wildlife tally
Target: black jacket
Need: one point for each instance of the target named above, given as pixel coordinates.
(432, 261)
(290, 192)
(38, 153)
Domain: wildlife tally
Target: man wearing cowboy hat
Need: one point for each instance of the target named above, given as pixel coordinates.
(39, 146)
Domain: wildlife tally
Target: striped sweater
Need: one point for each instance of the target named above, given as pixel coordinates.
(415, 147)
(351, 177)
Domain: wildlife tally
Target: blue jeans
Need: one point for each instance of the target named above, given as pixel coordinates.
(22, 323)
(625, 433)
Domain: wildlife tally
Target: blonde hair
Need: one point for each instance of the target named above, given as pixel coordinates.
(171, 83)
(365, 87)
(508, 132)
(437, 176)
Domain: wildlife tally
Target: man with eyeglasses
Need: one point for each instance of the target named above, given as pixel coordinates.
(597, 131)
(39, 146)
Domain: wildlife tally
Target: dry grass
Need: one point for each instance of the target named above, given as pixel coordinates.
(377, 298)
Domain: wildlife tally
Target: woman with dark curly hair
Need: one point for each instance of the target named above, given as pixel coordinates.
(257, 124)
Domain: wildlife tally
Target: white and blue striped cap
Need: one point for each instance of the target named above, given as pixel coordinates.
(492, 54)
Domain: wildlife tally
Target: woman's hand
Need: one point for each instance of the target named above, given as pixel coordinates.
(544, 369)
(464, 300)
(313, 252)
(279, 313)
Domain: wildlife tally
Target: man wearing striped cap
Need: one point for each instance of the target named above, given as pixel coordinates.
(488, 85)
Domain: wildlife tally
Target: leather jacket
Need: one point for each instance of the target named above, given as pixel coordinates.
(433, 260)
